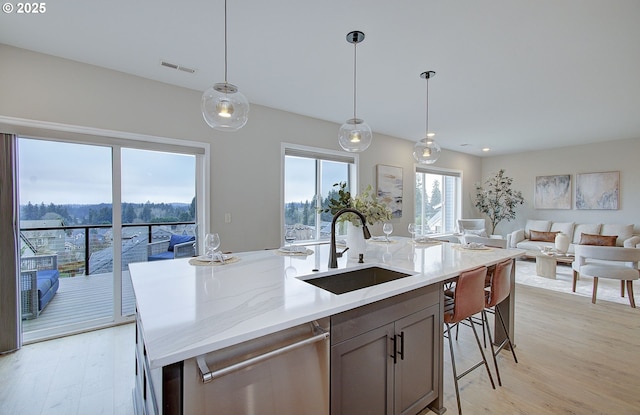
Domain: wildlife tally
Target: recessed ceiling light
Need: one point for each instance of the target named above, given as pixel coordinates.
(485, 149)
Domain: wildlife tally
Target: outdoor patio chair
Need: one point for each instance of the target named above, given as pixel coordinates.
(179, 246)
(39, 282)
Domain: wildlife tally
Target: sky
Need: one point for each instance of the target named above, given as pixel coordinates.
(300, 176)
(64, 173)
(68, 173)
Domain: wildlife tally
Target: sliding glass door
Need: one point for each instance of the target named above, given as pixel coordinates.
(158, 200)
(86, 212)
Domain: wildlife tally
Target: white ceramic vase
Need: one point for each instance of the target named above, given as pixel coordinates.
(355, 241)
(562, 243)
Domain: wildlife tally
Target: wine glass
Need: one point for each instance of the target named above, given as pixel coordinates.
(211, 243)
(412, 230)
(387, 257)
(290, 271)
(387, 228)
(290, 236)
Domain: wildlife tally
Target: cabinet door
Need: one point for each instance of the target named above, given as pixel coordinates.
(416, 371)
(362, 373)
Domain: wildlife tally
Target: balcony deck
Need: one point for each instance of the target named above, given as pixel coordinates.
(80, 299)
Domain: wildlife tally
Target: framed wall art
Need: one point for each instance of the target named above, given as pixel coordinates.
(553, 192)
(598, 190)
(389, 190)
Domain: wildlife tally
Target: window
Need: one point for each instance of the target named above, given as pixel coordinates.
(308, 178)
(438, 199)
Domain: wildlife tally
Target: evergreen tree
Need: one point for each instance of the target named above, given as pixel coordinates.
(306, 213)
(192, 209)
(436, 194)
(146, 212)
(128, 213)
(30, 211)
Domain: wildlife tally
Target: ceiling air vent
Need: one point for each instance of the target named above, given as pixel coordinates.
(177, 67)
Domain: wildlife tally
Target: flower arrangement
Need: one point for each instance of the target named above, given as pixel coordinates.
(366, 203)
(497, 199)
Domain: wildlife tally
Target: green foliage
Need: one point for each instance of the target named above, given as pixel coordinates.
(366, 203)
(101, 214)
(436, 195)
(497, 199)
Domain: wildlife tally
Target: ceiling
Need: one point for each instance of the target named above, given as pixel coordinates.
(510, 75)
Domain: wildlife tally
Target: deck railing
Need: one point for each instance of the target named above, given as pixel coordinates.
(78, 245)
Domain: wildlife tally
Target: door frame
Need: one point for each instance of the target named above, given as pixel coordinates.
(116, 140)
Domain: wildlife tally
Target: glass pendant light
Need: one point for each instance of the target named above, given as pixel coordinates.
(355, 134)
(223, 106)
(427, 150)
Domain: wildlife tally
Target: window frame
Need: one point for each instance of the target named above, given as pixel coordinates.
(318, 154)
(457, 208)
(116, 140)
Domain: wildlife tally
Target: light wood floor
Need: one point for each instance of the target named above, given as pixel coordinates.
(85, 374)
(575, 358)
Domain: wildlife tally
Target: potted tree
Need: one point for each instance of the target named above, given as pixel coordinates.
(497, 200)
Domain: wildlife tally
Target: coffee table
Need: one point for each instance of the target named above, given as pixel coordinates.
(546, 263)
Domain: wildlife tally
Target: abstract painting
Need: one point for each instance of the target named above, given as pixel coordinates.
(598, 190)
(389, 188)
(553, 192)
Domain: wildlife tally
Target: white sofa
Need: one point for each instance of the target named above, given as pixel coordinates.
(521, 237)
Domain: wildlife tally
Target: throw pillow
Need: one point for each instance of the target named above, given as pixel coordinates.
(536, 225)
(590, 228)
(564, 227)
(542, 236)
(598, 240)
(624, 232)
(476, 232)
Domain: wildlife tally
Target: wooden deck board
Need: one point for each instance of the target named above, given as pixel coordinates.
(82, 298)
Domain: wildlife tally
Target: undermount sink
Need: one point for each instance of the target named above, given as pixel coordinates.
(348, 281)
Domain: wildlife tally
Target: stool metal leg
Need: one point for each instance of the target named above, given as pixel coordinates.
(453, 366)
(484, 359)
(507, 340)
(457, 377)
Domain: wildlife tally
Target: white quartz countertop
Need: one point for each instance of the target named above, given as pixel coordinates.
(185, 310)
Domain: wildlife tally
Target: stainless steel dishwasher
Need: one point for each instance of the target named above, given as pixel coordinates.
(282, 373)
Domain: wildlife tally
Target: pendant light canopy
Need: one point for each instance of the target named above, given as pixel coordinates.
(223, 106)
(354, 135)
(427, 150)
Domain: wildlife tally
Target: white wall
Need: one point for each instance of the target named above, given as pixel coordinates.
(245, 171)
(620, 155)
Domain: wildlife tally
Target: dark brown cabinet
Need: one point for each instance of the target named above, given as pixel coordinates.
(385, 356)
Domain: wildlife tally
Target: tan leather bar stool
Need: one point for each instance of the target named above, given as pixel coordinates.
(468, 299)
(498, 290)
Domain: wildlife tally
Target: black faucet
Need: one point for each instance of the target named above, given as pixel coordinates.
(333, 255)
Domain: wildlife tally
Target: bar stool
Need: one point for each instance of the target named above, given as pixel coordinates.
(468, 299)
(498, 290)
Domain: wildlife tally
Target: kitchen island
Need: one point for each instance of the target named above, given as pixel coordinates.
(185, 312)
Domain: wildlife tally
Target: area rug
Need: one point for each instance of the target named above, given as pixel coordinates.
(608, 290)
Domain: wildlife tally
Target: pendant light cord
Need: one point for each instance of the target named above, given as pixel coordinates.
(355, 60)
(225, 41)
(427, 112)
